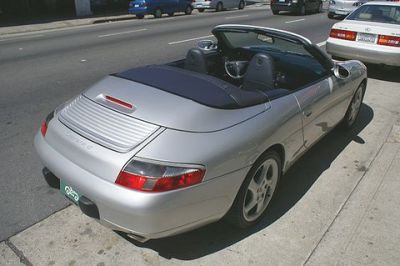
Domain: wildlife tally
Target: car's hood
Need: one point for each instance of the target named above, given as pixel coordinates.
(165, 109)
(368, 27)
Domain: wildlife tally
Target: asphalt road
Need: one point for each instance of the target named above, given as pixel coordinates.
(39, 71)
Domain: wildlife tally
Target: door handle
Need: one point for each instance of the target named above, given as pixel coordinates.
(307, 113)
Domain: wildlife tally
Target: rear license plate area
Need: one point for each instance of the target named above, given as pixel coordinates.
(366, 37)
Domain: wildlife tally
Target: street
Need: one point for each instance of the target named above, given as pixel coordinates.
(41, 70)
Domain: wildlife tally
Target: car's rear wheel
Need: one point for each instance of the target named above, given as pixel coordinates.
(171, 14)
(188, 10)
(302, 10)
(331, 15)
(219, 7)
(256, 191)
(319, 9)
(140, 16)
(241, 5)
(201, 10)
(158, 13)
(354, 108)
(275, 12)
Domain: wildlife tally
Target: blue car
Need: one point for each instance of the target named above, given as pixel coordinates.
(140, 8)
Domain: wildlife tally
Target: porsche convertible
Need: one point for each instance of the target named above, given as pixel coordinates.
(162, 149)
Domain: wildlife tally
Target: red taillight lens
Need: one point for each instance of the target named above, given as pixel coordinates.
(158, 178)
(343, 34)
(389, 40)
(45, 123)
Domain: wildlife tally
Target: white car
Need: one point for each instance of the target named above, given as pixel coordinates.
(370, 34)
(218, 5)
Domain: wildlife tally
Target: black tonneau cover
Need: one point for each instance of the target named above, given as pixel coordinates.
(201, 88)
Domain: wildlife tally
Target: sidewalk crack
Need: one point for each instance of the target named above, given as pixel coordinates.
(24, 260)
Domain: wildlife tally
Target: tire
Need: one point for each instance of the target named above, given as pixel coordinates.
(188, 10)
(319, 9)
(275, 12)
(241, 5)
(140, 16)
(158, 13)
(171, 14)
(201, 10)
(256, 191)
(331, 15)
(302, 10)
(219, 7)
(354, 108)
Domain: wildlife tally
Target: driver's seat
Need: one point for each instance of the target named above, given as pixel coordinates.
(196, 61)
(260, 74)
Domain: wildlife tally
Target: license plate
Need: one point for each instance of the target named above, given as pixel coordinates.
(136, 5)
(70, 192)
(366, 37)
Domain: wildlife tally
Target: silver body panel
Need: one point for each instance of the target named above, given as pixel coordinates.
(343, 7)
(225, 142)
(213, 4)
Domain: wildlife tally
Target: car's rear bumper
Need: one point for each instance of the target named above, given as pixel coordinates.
(291, 7)
(146, 215)
(367, 53)
(340, 11)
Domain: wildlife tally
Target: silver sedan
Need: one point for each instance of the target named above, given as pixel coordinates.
(159, 150)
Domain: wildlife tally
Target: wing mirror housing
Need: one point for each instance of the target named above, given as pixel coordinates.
(207, 45)
(340, 71)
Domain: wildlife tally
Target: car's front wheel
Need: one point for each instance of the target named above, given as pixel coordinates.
(275, 12)
(219, 7)
(140, 16)
(201, 10)
(354, 108)
(256, 191)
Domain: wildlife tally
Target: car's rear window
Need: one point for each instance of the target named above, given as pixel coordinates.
(377, 13)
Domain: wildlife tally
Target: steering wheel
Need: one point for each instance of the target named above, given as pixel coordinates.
(235, 69)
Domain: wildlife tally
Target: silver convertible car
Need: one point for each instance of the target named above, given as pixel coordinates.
(162, 149)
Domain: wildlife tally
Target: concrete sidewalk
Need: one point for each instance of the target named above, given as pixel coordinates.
(75, 22)
(337, 206)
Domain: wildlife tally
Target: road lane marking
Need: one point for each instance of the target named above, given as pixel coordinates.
(121, 33)
(192, 39)
(242, 16)
(321, 43)
(293, 21)
(22, 37)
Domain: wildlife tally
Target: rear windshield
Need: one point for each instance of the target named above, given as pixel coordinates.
(377, 13)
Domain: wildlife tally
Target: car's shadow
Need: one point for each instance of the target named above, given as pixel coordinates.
(294, 185)
(385, 73)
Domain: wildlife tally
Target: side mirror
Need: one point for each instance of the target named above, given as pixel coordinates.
(207, 45)
(340, 71)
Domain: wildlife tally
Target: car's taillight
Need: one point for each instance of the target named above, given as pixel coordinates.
(389, 40)
(343, 34)
(45, 123)
(150, 177)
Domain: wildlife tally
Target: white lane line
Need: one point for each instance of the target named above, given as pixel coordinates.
(22, 37)
(120, 33)
(192, 39)
(242, 16)
(321, 43)
(293, 21)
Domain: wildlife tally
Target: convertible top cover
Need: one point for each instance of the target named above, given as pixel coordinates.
(201, 88)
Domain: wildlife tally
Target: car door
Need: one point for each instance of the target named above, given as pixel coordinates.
(314, 101)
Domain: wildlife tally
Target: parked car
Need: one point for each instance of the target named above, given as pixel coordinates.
(300, 7)
(218, 5)
(162, 149)
(140, 8)
(343, 7)
(370, 34)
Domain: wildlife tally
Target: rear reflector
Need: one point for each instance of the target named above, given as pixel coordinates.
(343, 34)
(45, 123)
(150, 177)
(119, 102)
(389, 40)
